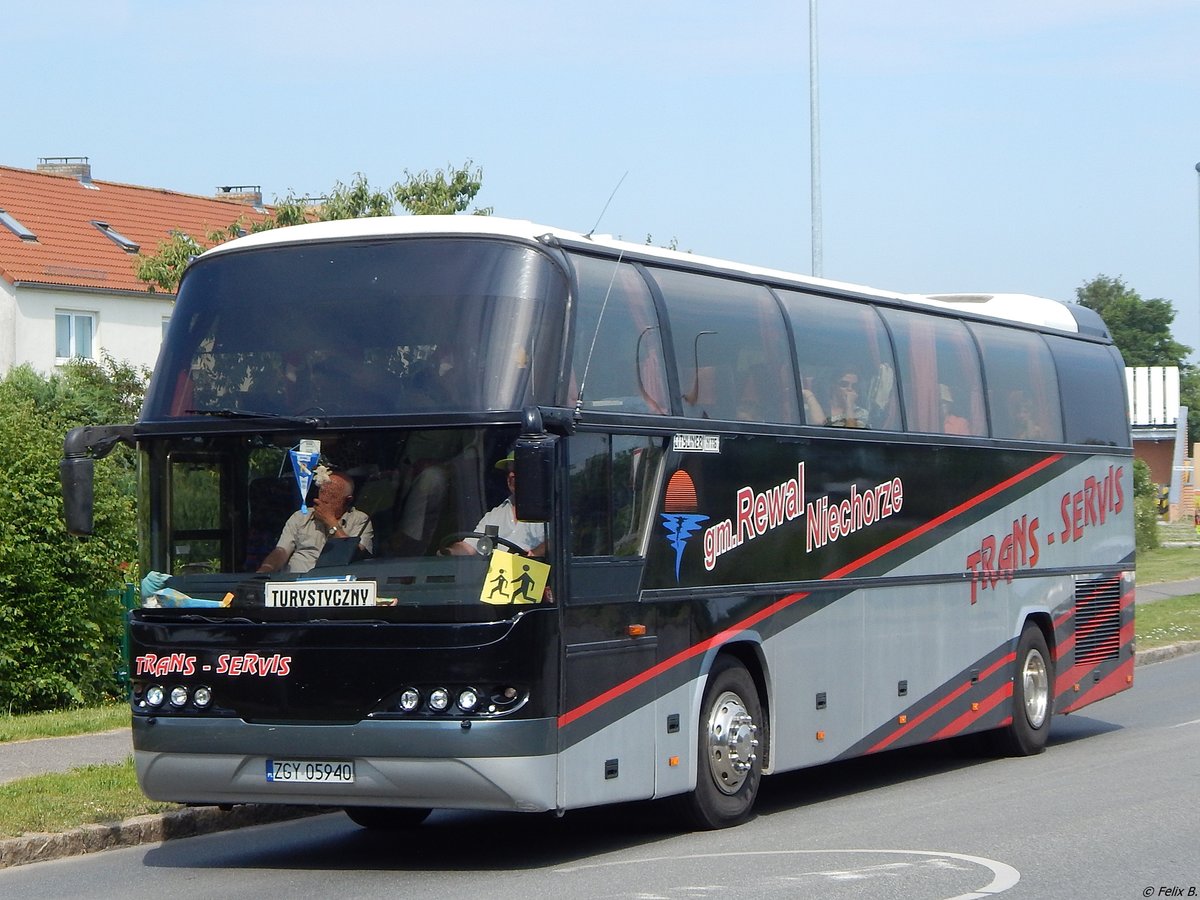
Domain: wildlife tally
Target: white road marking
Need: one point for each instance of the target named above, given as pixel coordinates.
(1004, 876)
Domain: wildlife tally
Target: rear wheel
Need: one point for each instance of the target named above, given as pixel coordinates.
(1033, 697)
(729, 765)
(387, 818)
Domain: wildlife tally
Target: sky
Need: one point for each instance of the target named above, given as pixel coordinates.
(1021, 146)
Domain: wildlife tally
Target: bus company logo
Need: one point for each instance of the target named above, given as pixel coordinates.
(680, 518)
(758, 512)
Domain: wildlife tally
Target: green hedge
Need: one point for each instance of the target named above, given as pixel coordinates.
(60, 618)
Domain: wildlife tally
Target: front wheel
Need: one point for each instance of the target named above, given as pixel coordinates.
(1033, 697)
(729, 764)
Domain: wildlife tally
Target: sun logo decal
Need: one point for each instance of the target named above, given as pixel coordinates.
(680, 519)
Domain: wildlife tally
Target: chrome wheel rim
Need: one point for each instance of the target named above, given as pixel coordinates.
(1036, 682)
(732, 742)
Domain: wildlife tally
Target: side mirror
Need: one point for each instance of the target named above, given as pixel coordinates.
(77, 476)
(81, 448)
(533, 462)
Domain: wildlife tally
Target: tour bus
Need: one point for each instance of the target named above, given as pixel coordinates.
(783, 521)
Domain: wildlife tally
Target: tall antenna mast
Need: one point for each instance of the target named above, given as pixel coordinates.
(814, 132)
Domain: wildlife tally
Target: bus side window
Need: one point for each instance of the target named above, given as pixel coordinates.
(613, 485)
(730, 349)
(617, 359)
(939, 374)
(1087, 372)
(1022, 385)
(847, 371)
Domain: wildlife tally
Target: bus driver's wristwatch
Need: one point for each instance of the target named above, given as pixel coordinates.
(333, 529)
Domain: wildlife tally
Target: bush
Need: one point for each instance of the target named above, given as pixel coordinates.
(1145, 507)
(60, 618)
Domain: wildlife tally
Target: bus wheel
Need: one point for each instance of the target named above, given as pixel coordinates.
(387, 818)
(728, 765)
(1033, 690)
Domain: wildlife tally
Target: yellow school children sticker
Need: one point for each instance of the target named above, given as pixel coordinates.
(514, 579)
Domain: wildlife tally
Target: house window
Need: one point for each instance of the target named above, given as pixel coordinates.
(73, 334)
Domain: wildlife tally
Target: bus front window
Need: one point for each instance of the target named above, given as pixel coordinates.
(363, 328)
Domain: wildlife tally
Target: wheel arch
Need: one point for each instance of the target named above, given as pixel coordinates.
(750, 654)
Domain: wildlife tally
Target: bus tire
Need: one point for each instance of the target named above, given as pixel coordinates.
(728, 764)
(387, 818)
(1033, 697)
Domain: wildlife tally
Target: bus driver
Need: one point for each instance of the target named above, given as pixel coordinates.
(529, 536)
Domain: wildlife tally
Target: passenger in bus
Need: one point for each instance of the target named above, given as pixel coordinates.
(332, 515)
(529, 536)
(1022, 421)
(951, 422)
(844, 410)
(814, 413)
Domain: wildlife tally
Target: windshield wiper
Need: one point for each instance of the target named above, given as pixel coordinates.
(229, 413)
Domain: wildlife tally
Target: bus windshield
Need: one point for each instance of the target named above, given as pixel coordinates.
(419, 502)
(363, 327)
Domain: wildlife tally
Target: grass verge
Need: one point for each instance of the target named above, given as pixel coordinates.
(61, 724)
(1168, 564)
(84, 796)
(1168, 622)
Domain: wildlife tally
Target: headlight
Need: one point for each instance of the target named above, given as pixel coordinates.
(410, 700)
(154, 695)
(439, 699)
(202, 697)
(468, 700)
(179, 695)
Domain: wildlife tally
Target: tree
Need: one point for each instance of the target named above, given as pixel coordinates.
(441, 192)
(60, 613)
(1140, 328)
(1142, 332)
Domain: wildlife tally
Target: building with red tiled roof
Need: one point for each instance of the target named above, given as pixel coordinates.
(68, 248)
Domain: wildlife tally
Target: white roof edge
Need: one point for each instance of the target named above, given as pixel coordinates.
(1013, 307)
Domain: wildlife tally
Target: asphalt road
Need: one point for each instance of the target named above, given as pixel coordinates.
(1109, 811)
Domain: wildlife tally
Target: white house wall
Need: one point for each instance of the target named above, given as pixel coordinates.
(128, 328)
(8, 326)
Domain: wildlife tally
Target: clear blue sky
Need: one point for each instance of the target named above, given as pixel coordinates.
(1010, 145)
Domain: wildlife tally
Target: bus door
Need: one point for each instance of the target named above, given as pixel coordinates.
(609, 637)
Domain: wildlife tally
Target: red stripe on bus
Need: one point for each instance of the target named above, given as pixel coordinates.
(986, 705)
(642, 677)
(941, 704)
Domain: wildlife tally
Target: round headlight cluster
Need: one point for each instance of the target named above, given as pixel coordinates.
(451, 700)
(178, 697)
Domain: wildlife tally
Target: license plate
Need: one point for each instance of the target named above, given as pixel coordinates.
(310, 771)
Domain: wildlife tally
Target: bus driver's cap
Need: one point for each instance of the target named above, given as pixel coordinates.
(505, 463)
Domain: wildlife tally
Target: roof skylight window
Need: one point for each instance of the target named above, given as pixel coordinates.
(9, 222)
(116, 237)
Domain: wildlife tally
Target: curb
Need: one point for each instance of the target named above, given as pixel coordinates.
(1170, 651)
(198, 820)
(148, 829)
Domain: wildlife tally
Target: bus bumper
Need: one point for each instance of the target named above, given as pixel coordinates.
(508, 765)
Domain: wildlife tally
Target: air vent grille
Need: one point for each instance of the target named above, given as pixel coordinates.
(1097, 620)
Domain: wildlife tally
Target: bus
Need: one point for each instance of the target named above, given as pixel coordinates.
(783, 521)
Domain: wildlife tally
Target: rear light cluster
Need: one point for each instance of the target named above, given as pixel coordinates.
(449, 700)
(158, 697)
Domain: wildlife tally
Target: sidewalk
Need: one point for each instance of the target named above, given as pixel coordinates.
(22, 759)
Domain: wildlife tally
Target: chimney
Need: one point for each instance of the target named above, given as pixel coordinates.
(74, 166)
(250, 194)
